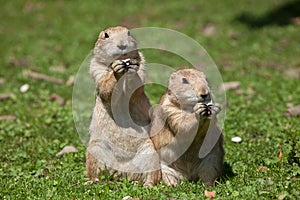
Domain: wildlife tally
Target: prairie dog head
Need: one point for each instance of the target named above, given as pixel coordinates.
(188, 87)
(115, 43)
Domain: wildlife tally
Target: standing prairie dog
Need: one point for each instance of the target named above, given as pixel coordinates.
(119, 142)
(184, 116)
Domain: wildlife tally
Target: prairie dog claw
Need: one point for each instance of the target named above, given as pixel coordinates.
(126, 62)
(129, 61)
(206, 109)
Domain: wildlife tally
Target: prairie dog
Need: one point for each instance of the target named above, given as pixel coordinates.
(119, 143)
(184, 116)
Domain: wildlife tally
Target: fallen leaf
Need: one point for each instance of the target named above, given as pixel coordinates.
(266, 75)
(32, 6)
(296, 20)
(20, 141)
(43, 77)
(7, 117)
(209, 29)
(285, 42)
(58, 48)
(71, 80)
(210, 195)
(293, 111)
(274, 65)
(180, 23)
(234, 35)
(2, 80)
(43, 173)
(262, 168)
(231, 85)
(23, 62)
(280, 154)
(287, 126)
(267, 108)
(56, 97)
(5, 96)
(66, 149)
(293, 73)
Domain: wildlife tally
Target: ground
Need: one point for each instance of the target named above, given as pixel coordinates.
(253, 42)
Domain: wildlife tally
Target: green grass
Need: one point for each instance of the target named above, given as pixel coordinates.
(36, 35)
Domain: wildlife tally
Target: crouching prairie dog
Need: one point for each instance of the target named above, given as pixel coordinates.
(119, 143)
(182, 119)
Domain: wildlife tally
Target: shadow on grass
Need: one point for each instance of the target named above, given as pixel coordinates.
(280, 16)
(227, 173)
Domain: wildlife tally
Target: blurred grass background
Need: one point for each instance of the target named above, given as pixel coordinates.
(254, 42)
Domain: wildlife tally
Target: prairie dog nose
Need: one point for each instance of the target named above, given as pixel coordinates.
(122, 47)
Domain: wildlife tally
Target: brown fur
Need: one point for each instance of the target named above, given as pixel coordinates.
(180, 123)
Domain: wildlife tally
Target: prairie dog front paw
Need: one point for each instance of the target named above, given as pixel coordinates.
(131, 65)
(200, 108)
(206, 109)
(118, 66)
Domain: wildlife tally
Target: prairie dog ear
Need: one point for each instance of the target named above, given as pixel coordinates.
(175, 78)
(99, 38)
(173, 81)
(102, 36)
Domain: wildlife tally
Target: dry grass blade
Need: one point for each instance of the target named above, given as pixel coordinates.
(5, 96)
(7, 117)
(231, 85)
(43, 77)
(56, 97)
(71, 80)
(293, 111)
(2, 80)
(66, 149)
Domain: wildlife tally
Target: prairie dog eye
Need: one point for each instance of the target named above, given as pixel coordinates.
(106, 35)
(185, 81)
(204, 97)
(128, 33)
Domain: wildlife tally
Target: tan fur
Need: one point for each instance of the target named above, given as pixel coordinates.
(179, 125)
(119, 147)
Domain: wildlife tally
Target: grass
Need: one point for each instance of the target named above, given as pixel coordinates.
(248, 45)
